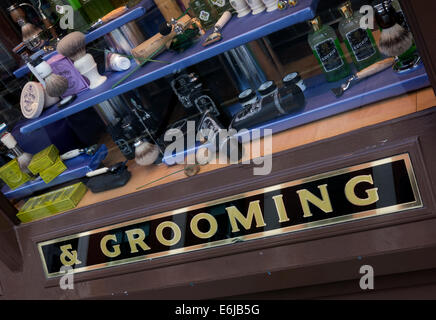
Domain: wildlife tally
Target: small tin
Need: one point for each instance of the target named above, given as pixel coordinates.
(12, 175)
(267, 88)
(247, 97)
(52, 202)
(294, 78)
(53, 171)
(43, 159)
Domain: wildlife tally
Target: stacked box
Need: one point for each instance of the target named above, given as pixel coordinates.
(53, 171)
(12, 175)
(43, 159)
(52, 202)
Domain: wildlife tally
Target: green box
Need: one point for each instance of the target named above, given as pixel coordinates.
(43, 159)
(53, 171)
(12, 175)
(52, 202)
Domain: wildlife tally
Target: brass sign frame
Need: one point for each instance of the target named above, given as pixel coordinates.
(329, 221)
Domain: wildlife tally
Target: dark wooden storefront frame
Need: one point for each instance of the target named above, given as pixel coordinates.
(271, 264)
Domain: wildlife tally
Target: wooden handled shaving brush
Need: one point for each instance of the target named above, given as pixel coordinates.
(73, 46)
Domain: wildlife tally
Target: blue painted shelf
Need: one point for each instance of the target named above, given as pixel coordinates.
(237, 32)
(132, 14)
(322, 103)
(77, 168)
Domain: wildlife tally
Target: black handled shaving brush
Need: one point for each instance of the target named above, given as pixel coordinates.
(394, 39)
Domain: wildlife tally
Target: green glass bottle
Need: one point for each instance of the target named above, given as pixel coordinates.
(204, 12)
(222, 6)
(95, 9)
(327, 50)
(360, 43)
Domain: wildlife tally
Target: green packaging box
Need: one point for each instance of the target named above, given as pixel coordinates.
(52, 203)
(12, 175)
(43, 159)
(53, 171)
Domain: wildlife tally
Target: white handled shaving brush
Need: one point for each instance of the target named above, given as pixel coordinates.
(146, 153)
(22, 157)
(73, 46)
(55, 84)
(394, 39)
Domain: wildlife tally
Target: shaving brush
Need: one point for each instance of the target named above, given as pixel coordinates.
(73, 46)
(31, 34)
(55, 84)
(146, 153)
(394, 39)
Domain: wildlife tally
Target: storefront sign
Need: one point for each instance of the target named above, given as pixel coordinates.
(362, 191)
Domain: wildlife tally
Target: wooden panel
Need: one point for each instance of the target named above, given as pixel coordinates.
(420, 16)
(426, 99)
(311, 257)
(169, 9)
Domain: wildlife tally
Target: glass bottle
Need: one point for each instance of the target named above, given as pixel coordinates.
(204, 12)
(327, 50)
(95, 9)
(360, 43)
(222, 6)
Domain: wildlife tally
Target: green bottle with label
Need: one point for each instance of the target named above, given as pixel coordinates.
(222, 6)
(360, 43)
(204, 12)
(327, 50)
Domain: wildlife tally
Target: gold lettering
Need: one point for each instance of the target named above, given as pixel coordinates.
(104, 249)
(253, 210)
(212, 223)
(136, 238)
(72, 256)
(353, 198)
(176, 231)
(324, 204)
(280, 207)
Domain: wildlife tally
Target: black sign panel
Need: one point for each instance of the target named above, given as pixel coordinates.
(380, 187)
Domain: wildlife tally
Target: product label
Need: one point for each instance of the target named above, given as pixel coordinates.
(204, 15)
(329, 55)
(361, 44)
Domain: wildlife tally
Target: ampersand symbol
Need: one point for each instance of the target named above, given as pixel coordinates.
(71, 256)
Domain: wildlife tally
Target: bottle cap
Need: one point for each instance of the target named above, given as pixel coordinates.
(8, 140)
(346, 10)
(293, 78)
(316, 23)
(266, 88)
(246, 96)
